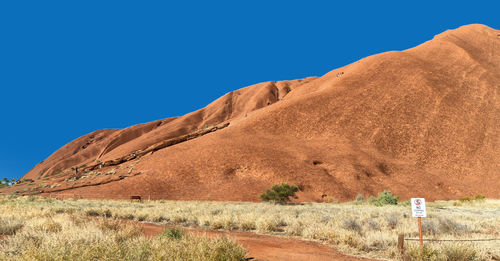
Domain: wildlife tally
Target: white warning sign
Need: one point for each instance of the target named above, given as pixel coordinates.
(418, 207)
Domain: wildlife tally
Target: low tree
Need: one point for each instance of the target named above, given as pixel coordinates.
(4, 183)
(279, 193)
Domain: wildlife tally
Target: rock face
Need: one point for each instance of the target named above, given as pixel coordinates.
(421, 122)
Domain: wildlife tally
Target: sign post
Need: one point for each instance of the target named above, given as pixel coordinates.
(420, 231)
(418, 210)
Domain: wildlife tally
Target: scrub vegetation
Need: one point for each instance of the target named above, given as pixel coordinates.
(279, 193)
(49, 230)
(356, 228)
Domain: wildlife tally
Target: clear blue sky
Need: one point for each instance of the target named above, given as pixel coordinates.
(68, 68)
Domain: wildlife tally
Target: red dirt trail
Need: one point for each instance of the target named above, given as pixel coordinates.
(265, 247)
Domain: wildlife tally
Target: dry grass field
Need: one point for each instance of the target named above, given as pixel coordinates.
(43, 228)
(33, 230)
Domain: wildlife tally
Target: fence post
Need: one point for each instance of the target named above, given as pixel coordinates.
(401, 243)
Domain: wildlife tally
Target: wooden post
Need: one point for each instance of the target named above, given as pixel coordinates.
(420, 231)
(401, 243)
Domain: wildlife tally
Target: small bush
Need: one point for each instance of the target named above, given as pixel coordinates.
(109, 225)
(465, 199)
(449, 226)
(462, 200)
(479, 197)
(267, 225)
(352, 224)
(392, 221)
(225, 222)
(127, 232)
(359, 199)
(248, 225)
(405, 203)
(5, 183)
(26, 180)
(372, 224)
(326, 218)
(59, 210)
(459, 253)
(429, 227)
(179, 219)
(296, 228)
(92, 213)
(279, 193)
(50, 226)
(421, 254)
(107, 213)
(384, 198)
(172, 233)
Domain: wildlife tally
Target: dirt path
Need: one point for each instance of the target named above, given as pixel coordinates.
(265, 247)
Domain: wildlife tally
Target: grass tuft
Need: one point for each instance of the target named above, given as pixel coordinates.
(9, 226)
(172, 233)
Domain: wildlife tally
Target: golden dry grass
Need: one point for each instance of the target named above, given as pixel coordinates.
(356, 229)
(51, 234)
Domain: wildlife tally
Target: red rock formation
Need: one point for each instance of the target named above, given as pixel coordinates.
(421, 122)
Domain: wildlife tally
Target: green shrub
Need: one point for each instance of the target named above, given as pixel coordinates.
(279, 193)
(372, 200)
(4, 183)
(359, 199)
(27, 180)
(462, 200)
(384, 198)
(465, 199)
(405, 203)
(172, 233)
(479, 197)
